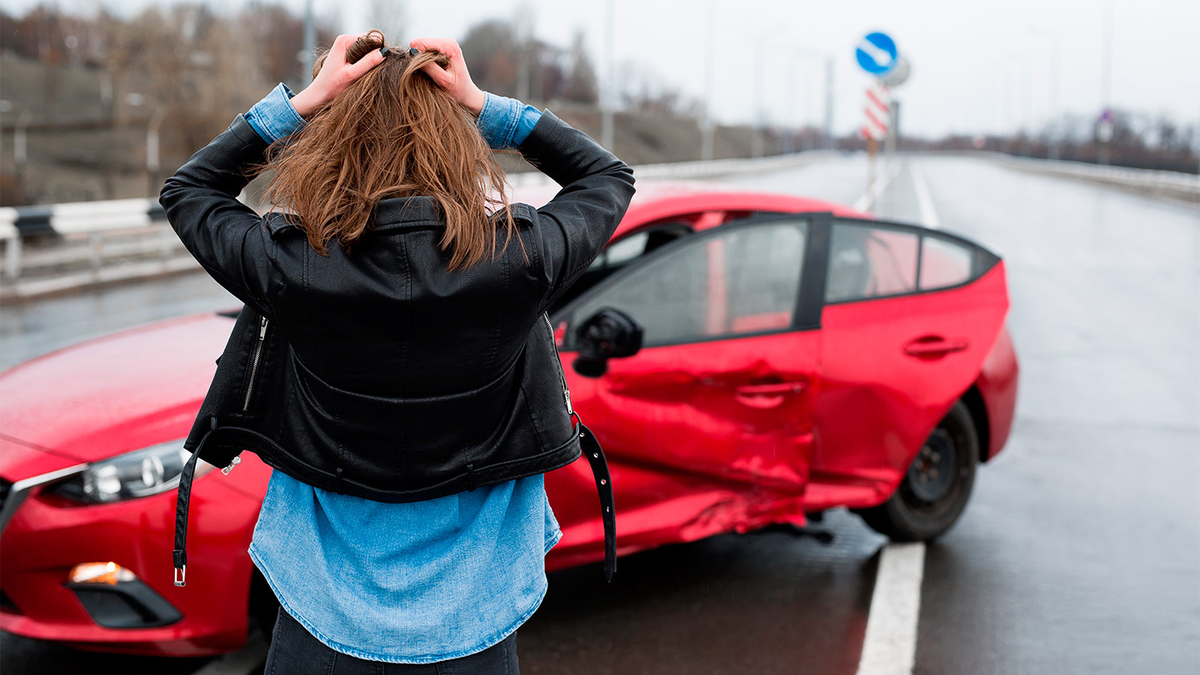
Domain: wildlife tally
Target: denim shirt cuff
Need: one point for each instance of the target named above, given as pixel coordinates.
(505, 122)
(274, 117)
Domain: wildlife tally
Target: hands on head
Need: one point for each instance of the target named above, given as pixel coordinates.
(336, 74)
(455, 78)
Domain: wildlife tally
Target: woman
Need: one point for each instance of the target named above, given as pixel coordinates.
(405, 526)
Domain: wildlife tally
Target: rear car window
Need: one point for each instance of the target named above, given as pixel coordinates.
(944, 263)
(878, 260)
(869, 262)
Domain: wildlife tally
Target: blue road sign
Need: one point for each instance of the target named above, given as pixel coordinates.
(876, 54)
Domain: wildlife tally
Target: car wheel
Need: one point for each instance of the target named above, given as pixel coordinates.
(264, 607)
(937, 486)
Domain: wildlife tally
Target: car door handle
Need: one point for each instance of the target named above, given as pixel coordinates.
(773, 389)
(933, 347)
(767, 395)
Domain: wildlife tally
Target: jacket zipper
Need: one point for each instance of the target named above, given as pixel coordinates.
(558, 364)
(262, 336)
(254, 361)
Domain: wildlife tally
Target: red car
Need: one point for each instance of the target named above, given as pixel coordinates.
(795, 356)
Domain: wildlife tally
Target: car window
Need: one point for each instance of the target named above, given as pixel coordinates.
(869, 262)
(733, 282)
(620, 253)
(944, 263)
(629, 248)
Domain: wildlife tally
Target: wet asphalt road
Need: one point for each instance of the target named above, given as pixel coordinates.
(1080, 551)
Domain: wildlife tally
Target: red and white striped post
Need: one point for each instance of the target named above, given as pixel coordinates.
(877, 115)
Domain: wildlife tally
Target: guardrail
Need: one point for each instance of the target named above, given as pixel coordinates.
(1173, 184)
(90, 243)
(91, 233)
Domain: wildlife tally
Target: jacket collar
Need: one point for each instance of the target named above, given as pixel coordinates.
(395, 213)
(399, 213)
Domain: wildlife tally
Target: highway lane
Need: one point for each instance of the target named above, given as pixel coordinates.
(1080, 551)
(30, 329)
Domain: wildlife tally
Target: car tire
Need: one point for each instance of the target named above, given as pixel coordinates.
(937, 486)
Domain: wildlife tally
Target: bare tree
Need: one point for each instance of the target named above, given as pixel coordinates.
(491, 49)
(582, 85)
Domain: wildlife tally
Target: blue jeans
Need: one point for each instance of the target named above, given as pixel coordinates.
(294, 651)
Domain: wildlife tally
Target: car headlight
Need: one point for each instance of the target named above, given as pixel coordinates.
(140, 473)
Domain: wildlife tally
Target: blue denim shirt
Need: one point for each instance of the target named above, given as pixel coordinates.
(503, 122)
(406, 583)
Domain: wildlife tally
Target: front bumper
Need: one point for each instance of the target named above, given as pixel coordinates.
(49, 534)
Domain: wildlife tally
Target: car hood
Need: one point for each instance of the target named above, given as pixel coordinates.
(114, 394)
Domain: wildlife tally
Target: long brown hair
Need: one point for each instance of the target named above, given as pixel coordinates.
(393, 133)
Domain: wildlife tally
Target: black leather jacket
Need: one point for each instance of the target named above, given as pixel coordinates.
(377, 372)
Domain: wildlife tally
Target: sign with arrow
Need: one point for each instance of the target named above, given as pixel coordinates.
(876, 53)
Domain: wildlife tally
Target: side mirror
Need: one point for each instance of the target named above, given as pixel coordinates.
(607, 334)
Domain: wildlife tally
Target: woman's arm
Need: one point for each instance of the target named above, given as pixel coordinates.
(575, 226)
(224, 235)
(200, 200)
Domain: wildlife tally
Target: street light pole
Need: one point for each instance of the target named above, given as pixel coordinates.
(756, 142)
(791, 111)
(829, 102)
(310, 41)
(152, 162)
(524, 26)
(801, 54)
(20, 149)
(607, 98)
(1024, 108)
(1106, 79)
(1055, 136)
(706, 133)
(1010, 116)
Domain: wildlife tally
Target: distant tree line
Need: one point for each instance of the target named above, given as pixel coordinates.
(182, 62)
(186, 69)
(1135, 140)
(262, 42)
(114, 77)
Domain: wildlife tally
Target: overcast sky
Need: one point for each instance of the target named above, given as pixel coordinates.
(976, 66)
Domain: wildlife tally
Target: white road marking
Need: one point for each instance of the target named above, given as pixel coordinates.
(928, 214)
(890, 644)
(867, 201)
(240, 662)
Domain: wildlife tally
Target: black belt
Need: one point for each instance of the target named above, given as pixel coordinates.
(587, 442)
(608, 513)
(183, 498)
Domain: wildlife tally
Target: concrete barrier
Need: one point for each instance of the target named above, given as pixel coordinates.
(1171, 184)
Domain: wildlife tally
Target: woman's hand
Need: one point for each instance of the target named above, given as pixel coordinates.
(334, 77)
(455, 79)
